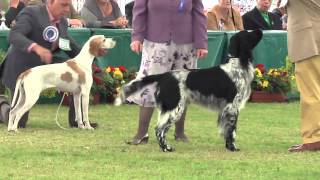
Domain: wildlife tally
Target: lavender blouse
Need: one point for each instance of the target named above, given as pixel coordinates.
(182, 21)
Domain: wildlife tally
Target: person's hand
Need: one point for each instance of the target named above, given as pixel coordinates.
(13, 23)
(123, 22)
(14, 3)
(284, 26)
(45, 54)
(120, 22)
(136, 46)
(75, 23)
(201, 53)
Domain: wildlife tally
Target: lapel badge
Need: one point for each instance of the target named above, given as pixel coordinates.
(50, 34)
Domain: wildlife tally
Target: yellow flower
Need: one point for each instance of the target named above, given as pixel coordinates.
(265, 84)
(258, 73)
(108, 69)
(270, 72)
(292, 77)
(117, 74)
(276, 74)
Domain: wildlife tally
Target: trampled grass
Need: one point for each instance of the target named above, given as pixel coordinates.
(265, 131)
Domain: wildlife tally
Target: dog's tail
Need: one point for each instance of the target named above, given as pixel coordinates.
(134, 86)
(18, 89)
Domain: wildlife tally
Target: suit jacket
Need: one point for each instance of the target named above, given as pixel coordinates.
(254, 20)
(13, 12)
(30, 24)
(161, 21)
(303, 29)
(128, 12)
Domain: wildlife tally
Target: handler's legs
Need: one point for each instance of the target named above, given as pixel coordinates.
(308, 81)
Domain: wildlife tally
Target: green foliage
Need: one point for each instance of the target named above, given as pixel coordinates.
(289, 66)
(3, 89)
(2, 55)
(49, 93)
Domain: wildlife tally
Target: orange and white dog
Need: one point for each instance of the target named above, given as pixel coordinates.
(74, 76)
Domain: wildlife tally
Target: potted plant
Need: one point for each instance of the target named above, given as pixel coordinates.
(270, 85)
(108, 81)
(2, 87)
(97, 87)
(114, 78)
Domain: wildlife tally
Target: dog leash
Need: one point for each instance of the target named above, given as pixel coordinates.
(57, 122)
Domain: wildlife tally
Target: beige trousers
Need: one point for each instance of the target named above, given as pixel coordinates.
(308, 81)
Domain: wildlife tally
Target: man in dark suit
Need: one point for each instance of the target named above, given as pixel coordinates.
(260, 18)
(128, 12)
(40, 31)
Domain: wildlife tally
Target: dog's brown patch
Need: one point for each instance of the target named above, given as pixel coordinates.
(95, 46)
(24, 74)
(67, 76)
(74, 66)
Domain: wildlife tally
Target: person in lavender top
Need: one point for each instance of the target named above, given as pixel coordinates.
(171, 35)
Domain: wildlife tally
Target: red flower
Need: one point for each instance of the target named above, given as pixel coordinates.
(261, 68)
(122, 68)
(95, 69)
(97, 80)
(111, 69)
(284, 74)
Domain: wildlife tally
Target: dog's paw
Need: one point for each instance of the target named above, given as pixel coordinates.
(167, 148)
(232, 147)
(81, 126)
(117, 101)
(89, 127)
(15, 130)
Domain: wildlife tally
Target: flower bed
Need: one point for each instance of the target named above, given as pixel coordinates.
(108, 81)
(271, 85)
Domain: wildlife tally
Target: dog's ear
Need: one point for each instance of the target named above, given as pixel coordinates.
(245, 53)
(248, 41)
(95, 46)
(254, 38)
(234, 45)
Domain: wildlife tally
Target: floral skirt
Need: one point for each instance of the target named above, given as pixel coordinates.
(159, 58)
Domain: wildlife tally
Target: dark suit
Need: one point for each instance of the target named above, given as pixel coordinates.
(12, 13)
(254, 20)
(30, 24)
(128, 11)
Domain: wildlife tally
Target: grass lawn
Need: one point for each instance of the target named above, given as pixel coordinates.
(265, 131)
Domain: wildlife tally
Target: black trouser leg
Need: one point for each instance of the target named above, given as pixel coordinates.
(4, 109)
(71, 113)
(23, 120)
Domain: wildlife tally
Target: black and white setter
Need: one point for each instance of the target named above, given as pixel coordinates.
(224, 88)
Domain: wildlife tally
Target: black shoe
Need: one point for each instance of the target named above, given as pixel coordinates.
(137, 141)
(4, 110)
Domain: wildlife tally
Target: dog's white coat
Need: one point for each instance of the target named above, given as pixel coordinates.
(29, 87)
